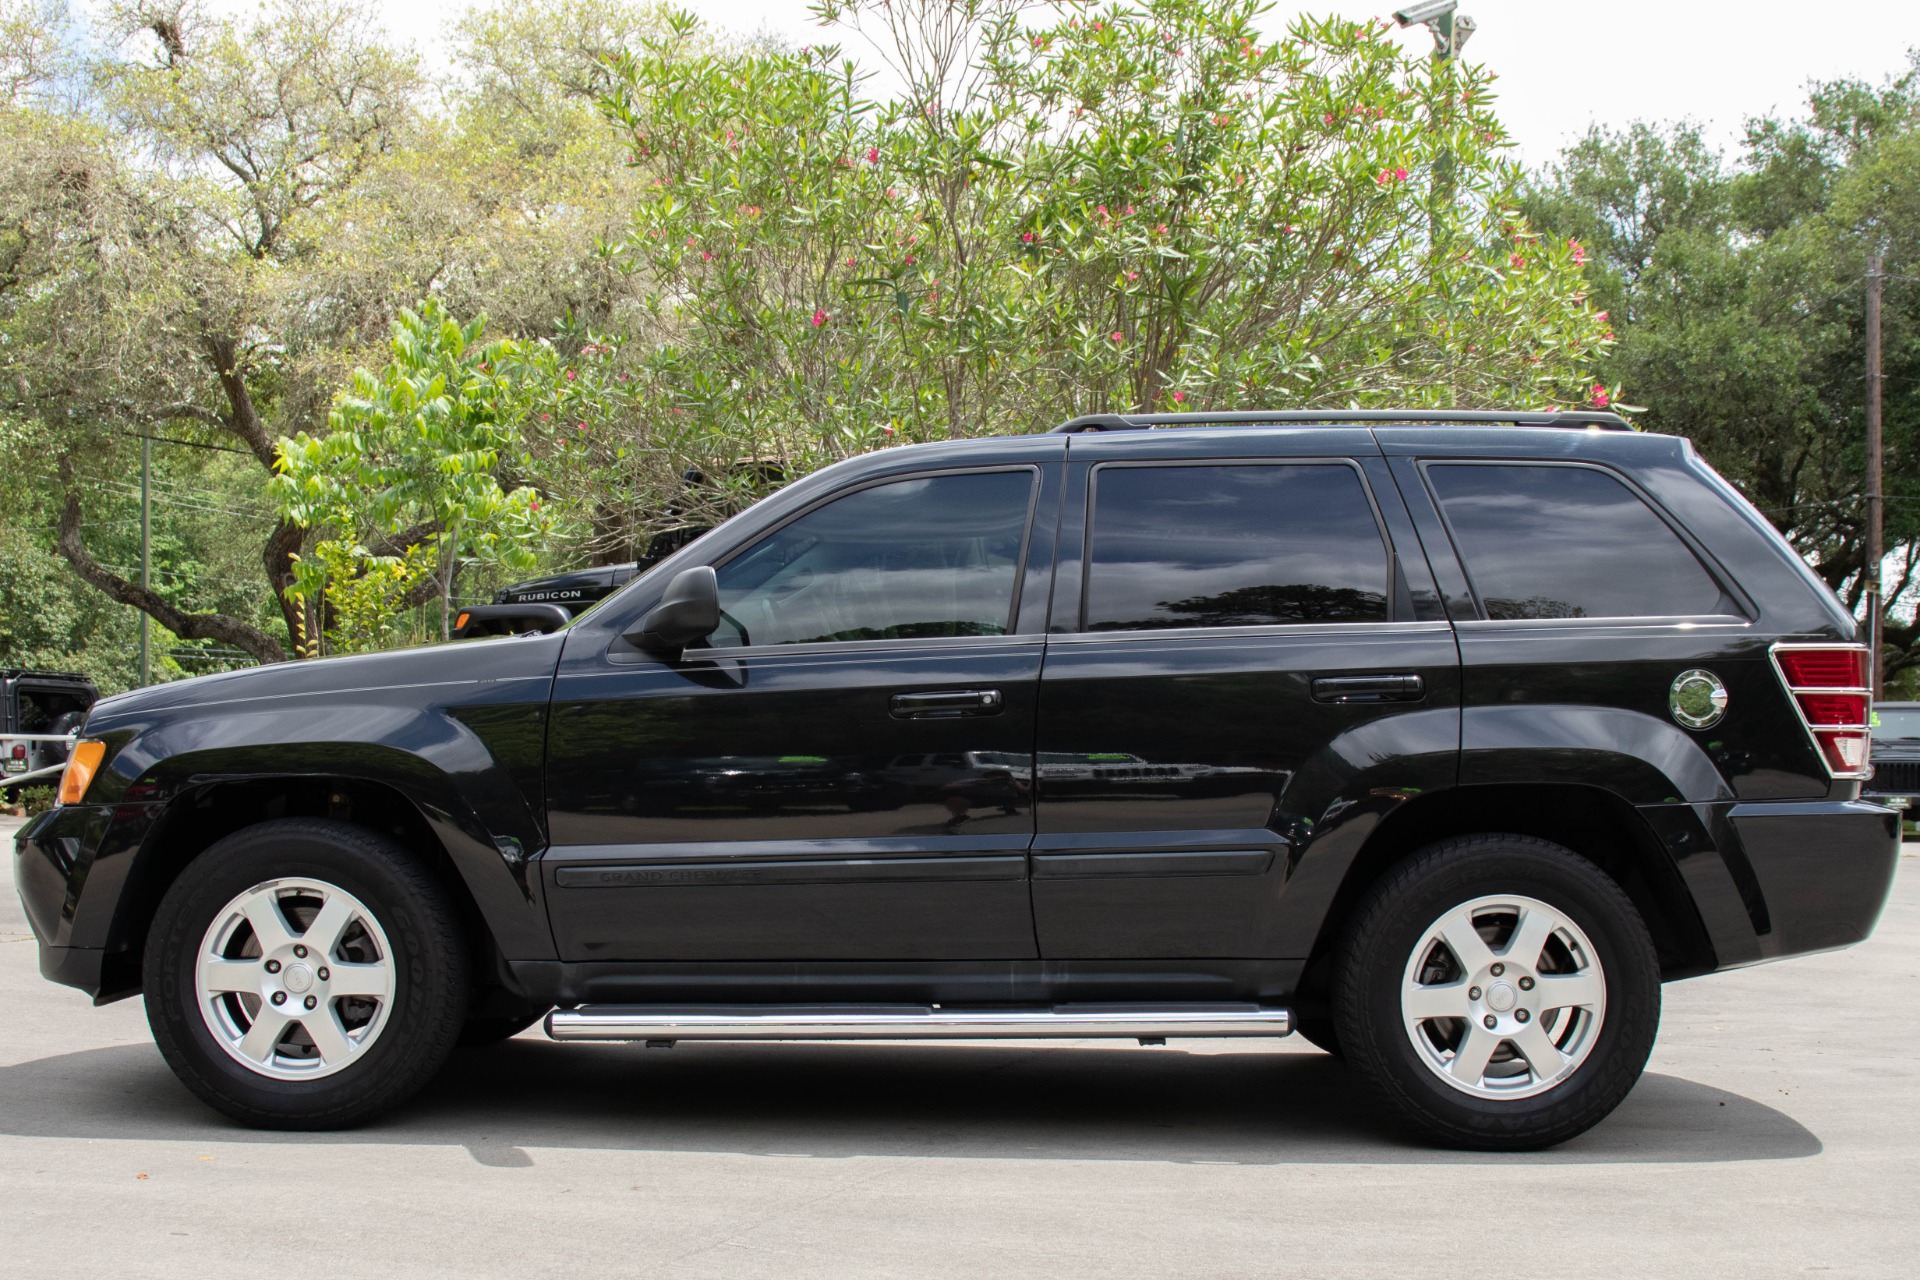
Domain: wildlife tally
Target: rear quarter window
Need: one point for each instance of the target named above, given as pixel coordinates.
(1556, 541)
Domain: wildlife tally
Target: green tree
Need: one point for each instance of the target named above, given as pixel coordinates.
(1119, 209)
(405, 484)
(1737, 291)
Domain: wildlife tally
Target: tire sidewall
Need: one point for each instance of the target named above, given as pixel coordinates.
(1458, 872)
(427, 962)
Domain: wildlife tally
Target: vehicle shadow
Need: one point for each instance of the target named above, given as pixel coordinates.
(1019, 1102)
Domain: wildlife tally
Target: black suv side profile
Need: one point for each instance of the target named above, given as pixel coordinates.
(1442, 738)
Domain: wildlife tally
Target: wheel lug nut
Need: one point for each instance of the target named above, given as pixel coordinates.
(311, 1002)
(279, 997)
(323, 975)
(1521, 1014)
(302, 953)
(273, 966)
(1496, 971)
(1491, 1021)
(1473, 993)
(1526, 984)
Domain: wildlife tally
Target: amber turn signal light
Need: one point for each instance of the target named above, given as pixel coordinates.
(81, 766)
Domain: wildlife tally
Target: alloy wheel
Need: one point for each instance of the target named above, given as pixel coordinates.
(1503, 997)
(295, 979)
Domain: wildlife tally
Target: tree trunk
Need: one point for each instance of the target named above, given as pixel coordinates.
(188, 626)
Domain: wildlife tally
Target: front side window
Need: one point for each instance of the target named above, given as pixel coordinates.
(911, 560)
(1569, 542)
(1233, 546)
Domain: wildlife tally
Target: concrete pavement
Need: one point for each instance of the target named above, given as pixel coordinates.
(1776, 1133)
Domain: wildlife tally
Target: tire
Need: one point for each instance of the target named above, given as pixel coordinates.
(485, 1029)
(388, 983)
(1555, 1070)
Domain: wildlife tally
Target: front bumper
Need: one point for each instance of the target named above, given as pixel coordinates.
(70, 866)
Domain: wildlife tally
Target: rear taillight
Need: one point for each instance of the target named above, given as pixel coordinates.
(1829, 687)
(19, 751)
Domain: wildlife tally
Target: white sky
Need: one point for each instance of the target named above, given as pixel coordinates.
(1562, 65)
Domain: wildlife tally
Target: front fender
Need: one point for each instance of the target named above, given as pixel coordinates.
(458, 734)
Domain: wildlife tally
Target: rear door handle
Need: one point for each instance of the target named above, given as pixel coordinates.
(946, 703)
(1384, 688)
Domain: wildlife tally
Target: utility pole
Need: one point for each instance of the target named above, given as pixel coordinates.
(146, 556)
(1876, 549)
(1450, 30)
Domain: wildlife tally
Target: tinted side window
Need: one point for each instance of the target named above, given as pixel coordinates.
(1569, 542)
(916, 558)
(1233, 546)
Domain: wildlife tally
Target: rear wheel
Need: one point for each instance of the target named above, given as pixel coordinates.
(1500, 992)
(304, 974)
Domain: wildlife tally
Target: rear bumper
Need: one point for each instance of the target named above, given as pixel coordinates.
(1824, 870)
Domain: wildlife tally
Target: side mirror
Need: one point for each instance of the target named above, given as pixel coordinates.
(689, 611)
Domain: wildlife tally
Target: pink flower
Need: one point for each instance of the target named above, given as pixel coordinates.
(1601, 316)
(1103, 211)
(705, 256)
(579, 426)
(873, 155)
(911, 259)
(1179, 397)
(1129, 211)
(886, 431)
(819, 318)
(1119, 336)
(1026, 237)
(1160, 230)
(891, 193)
(1516, 262)
(1579, 252)
(690, 242)
(1327, 118)
(1133, 275)
(571, 375)
(546, 417)
(535, 504)
(1600, 397)
(1399, 175)
(853, 262)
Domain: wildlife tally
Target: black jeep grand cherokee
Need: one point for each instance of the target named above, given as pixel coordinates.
(1443, 738)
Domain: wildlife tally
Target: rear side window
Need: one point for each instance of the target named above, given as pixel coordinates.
(1233, 546)
(1569, 542)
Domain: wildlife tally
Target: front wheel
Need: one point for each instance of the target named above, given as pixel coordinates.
(303, 974)
(1499, 991)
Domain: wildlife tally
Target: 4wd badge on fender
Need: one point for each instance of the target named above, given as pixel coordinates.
(1697, 699)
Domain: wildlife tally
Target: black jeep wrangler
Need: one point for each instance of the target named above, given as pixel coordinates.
(39, 710)
(1441, 738)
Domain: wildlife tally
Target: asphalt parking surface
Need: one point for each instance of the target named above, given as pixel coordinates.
(1776, 1133)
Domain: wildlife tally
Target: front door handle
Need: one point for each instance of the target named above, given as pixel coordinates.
(946, 703)
(1384, 688)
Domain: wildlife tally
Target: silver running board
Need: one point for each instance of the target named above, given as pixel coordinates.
(912, 1022)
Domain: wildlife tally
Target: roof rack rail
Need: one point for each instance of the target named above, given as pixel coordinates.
(1306, 417)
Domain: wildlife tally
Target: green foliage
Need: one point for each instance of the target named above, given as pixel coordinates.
(406, 482)
(1738, 291)
(1119, 209)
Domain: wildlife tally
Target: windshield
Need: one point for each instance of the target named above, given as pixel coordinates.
(1890, 723)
